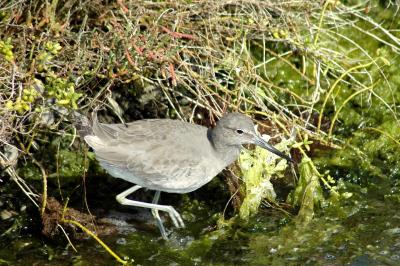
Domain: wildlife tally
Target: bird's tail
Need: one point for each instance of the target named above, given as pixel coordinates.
(82, 124)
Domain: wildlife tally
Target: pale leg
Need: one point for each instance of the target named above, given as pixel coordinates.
(175, 217)
(157, 216)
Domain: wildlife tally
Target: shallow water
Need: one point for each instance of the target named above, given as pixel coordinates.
(364, 230)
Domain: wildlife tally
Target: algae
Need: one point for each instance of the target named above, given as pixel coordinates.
(257, 168)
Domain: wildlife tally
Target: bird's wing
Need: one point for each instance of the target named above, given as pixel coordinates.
(152, 150)
(156, 166)
(141, 130)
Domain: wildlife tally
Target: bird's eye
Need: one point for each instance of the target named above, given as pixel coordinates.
(239, 131)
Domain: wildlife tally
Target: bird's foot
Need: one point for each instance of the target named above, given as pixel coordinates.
(175, 217)
(173, 214)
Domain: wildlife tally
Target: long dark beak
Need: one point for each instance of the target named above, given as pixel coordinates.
(263, 144)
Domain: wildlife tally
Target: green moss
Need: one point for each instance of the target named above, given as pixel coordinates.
(71, 164)
(30, 171)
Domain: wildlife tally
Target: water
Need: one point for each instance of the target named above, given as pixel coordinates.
(364, 230)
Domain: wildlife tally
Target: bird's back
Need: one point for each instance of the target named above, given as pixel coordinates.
(160, 154)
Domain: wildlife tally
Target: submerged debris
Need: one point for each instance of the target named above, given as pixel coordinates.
(55, 214)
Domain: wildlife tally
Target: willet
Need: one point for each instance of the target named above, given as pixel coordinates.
(169, 155)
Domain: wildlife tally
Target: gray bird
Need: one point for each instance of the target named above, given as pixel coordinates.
(169, 155)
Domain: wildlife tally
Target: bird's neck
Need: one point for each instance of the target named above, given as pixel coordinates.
(227, 153)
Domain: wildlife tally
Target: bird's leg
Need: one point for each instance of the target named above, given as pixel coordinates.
(175, 217)
(157, 216)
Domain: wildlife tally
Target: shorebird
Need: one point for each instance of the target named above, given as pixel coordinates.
(169, 155)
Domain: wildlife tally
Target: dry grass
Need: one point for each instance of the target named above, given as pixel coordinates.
(280, 60)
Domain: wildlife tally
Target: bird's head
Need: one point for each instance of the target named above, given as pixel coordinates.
(237, 129)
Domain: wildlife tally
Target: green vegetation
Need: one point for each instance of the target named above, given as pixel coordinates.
(321, 78)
